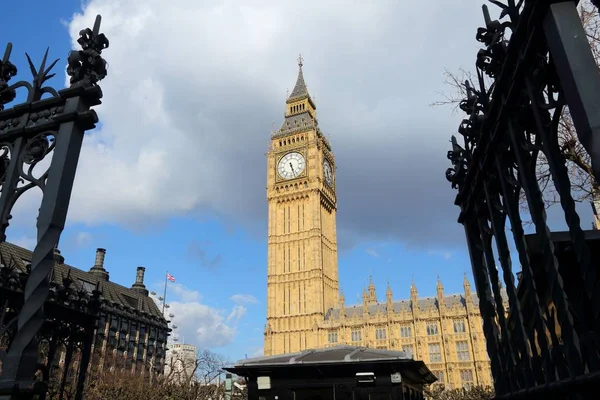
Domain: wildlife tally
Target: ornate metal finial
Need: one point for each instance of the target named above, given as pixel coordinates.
(87, 65)
(300, 59)
(7, 71)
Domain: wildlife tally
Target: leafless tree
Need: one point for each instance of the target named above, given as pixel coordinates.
(209, 366)
(468, 393)
(578, 161)
(205, 369)
(200, 382)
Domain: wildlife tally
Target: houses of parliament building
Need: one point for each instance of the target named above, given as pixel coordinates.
(305, 306)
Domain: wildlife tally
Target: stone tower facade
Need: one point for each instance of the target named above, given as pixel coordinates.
(305, 307)
(302, 245)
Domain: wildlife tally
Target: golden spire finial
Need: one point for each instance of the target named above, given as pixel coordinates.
(300, 59)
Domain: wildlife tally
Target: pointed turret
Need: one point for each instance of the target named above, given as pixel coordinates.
(300, 111)
(342, 303)
(440, 290)
(467, 288)
(300, 90)
(440, 296)
(372, 293)
(388, 298)
(414, 295)
(365, 297)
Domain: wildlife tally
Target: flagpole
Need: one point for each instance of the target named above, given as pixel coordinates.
(165, 294)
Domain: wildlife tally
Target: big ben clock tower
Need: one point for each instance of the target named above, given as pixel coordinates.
(302, 273)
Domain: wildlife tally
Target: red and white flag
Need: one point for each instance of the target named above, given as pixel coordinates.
(170, 277)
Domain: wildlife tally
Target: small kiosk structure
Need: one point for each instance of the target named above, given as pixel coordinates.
(335, 373)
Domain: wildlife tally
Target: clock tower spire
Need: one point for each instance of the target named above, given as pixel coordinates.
(302, 271)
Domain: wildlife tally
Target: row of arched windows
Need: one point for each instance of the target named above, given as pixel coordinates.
(297, 108)
(290, 141)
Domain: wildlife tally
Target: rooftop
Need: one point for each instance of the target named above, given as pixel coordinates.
(334, 360)
(398, 306)
(335, 354)
(113, 293)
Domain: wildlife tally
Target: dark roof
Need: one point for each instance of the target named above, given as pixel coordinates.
(303, 121)
(112, 293)
(297, 122)
(338, 358)
(405, 305)
(300, 90)
(336, 354)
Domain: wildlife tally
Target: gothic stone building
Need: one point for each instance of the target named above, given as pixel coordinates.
(305, 306)
(132, 332)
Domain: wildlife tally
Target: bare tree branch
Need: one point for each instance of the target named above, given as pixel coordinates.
(577, 160)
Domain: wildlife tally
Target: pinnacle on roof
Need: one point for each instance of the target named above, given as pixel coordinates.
(300, 90)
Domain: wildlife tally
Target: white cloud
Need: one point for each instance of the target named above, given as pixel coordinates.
(256, 352)
(203, 326)
(446, 255)
(182, 293)
(372, 252)
(25, 242)
(237, 313)
(193, 87)
(243, 299)
(198, 323)
(83, 238)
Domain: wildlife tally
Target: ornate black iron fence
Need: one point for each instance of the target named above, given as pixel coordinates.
(50, 124)
(548, 345)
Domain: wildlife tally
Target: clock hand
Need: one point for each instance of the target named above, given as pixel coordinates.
(292, 168)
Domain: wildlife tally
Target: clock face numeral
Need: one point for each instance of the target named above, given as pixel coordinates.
(291, 165)
(327, 173)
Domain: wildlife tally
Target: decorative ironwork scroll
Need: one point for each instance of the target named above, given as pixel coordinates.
(50, 124)
(534, 63)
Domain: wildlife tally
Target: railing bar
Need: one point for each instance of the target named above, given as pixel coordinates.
(486, 306)
(519, 240)
(550, 263)
(498, 227)
(561, 181)
(492, 272)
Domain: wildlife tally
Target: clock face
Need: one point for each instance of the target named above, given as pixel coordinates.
(291, 165)
(327, 173)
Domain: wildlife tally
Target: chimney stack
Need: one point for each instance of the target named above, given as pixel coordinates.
(98, 268)
(58, 258)
(139, 286)
(100, 254)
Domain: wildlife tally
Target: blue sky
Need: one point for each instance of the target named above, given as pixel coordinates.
(149, 196)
